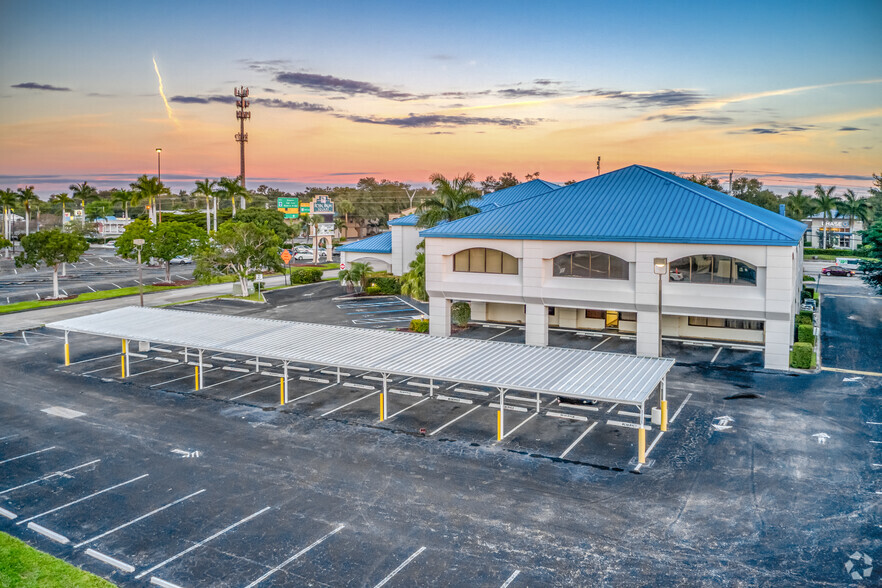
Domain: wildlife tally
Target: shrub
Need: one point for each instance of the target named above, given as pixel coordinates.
(816, 295)
(804, 317)
(808, 279)
(419, 325)
(802, 356)
(386, 284)
(836, 252)
(461, 312)
(306, 275)
(372, 290)
(805, 334)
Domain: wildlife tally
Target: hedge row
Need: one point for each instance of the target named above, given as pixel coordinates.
(805, 334)
(836, 252)
(306, 275)
(802, 356)
(419, 325)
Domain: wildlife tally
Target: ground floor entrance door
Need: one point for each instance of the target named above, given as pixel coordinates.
(612, 319)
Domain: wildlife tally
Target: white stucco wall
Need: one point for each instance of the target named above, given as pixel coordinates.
(381, 262)
(404, 247)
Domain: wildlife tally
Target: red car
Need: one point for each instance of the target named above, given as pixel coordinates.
(837, 270)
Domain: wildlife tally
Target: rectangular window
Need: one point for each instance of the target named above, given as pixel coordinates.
(581, 264)
(702, 269)
(509, 264)
(594, 314)
(722, 269)
(461, 261)
(680, 270)
(476, 259)
(745, 274)
(716, 322)
(627, 316)
(494, 261)
(697, 321)
(550, 311)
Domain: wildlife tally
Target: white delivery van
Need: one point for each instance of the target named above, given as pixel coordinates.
(851, 263)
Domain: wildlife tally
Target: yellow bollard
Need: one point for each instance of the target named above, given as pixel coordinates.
(123, 345)
(197, 378)
(122, 361)
(499, 425)
(664, 415)
(641, 445)
(382, 413)
(282, 391)
(66, 354)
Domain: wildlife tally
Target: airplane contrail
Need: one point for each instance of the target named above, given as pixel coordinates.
(171, 115)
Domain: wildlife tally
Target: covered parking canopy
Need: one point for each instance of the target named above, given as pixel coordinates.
(571, 373)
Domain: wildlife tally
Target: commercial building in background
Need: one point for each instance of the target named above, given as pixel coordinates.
(111, 227)
(393, 250)
(841, 232)
(588, 256)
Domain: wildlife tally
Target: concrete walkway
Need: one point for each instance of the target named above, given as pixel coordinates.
(32, 319)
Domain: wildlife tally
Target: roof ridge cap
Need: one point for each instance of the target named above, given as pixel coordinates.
(657, 173)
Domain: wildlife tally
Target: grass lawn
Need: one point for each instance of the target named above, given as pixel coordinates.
(22, 566)
(100, 295)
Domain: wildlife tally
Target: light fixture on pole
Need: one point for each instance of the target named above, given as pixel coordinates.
(139, 243)
(660, 267)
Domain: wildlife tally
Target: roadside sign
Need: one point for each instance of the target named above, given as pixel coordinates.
(258, 277)
(289, 206)
(286, 256)
(342, 266)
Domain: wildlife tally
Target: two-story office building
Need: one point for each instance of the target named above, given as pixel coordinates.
(589, 256)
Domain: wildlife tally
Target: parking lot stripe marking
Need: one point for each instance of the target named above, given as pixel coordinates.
(93, 495)
(408, 408)
(140, 518)
(521, 424)
(353, 402)
(162, 583)
(273, 385)
(716, 355)
(294, 557)
(201, 543)
(95, 359)
(498, 334)
(57, 537)
(612, 408)
(401, 567)
(8, 514)
(447, 424)
(676, 414)
(181, 378)
(467, 391)
(311, 379)
(872, 423)
(120, 565)
(409, 304)
(601, 343)
(376, 311)
(27, 455)
(510, 579)
(139, 355)
(654, 441)
(844, 371)
(311, 393)
(576, 442)
(8, 437)
(50, 476)
(405, 392)
(118, 287)
(226, 381)
(110, 367)
(162, 367)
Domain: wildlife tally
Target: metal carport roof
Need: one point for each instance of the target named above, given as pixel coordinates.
(573, 373)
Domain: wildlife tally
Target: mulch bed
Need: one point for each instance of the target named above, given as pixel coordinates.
(176, 283)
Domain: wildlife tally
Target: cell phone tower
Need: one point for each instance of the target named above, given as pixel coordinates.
(242, 137)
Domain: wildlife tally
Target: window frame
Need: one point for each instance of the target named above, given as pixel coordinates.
(588, 257)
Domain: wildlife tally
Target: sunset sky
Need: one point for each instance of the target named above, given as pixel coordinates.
(790, 92)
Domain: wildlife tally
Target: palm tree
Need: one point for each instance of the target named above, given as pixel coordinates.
(451, 201)
(825, 202)
(854, 207)
(83, 192)
(800, 204)
(122, 197)
(27, 197)
(356, 275)
(413, 283)
(64, 200)
(149, 189)
(231, 188)
(8, 202)
(206, 189)
(345, 207)
(340, 225)
(313, 222)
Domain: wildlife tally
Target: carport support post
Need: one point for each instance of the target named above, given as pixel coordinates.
(431, 387)
(537, 402)
(199, 370)
(664, 405)
(66, 350)
(641, 436)
(500, 416)
(256, 364)
(383, 398)
(285, 386)
(338, 374)
(185, 355)
(125, 358)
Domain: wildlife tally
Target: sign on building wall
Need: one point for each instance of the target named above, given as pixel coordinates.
(305, 209)
(322, 204)
(289, 206)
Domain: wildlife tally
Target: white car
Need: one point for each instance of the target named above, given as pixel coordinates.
(180, 260)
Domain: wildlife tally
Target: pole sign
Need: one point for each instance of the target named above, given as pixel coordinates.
(322, 204)
(289, 206)
(342, 266)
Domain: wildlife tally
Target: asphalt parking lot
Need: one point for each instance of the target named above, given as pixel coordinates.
(98, 269)
(851, 316)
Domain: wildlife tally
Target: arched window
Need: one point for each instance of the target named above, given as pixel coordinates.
(485, 261)
(712, 269)
(590, 264)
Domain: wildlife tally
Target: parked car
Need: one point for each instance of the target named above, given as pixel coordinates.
(837, 270)
(180, 260)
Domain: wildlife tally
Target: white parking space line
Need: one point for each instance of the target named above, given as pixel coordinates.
(294, 557)
(521, 424)
(510, 579)
(716, 355)
(612, 408)
(181, 378)
(201, 543)
(447, 424)
(576, 442)
(27, 455)
(162, 583)
(120, 565)
(8, 514)
(651, 446)
(401, 567)
(57, 537)
(140, 518)
(601, 343)
(162, 367)
(49, 476)
(226, 381)
(273, 385)
(90, 287)
(93, 495)
(350, 403)
(498, 335)
(408, 408)
(94, 358)
(410, 305)
(110, 367)
(676, 414)
(118, 287)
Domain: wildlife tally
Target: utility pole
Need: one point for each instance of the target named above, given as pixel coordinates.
(598, 165)
(242, 137)
(731, 173)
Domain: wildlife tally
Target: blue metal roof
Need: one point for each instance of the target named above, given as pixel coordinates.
(632, 204)
(493, 200)
(381, 243)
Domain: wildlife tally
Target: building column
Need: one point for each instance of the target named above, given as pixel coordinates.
(479, 311)
(537, 325)
(439, 316)
(647, 333)
(779, 334)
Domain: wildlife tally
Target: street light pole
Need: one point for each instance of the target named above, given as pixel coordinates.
(139, 243)
(158, 213)
(660, 267)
